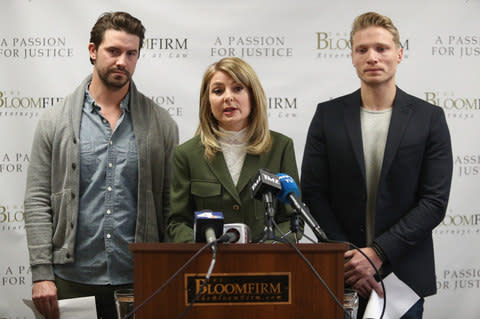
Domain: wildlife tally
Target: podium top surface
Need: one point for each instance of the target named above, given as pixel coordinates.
(239, 248)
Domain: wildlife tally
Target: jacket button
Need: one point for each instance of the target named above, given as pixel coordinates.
(68, 255)
(74, 140)
(71, 225)
(73, 195)
(236, 207)
(74, 166)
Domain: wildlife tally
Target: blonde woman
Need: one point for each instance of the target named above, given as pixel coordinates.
(213, 170)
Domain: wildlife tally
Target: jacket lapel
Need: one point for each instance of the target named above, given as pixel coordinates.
(401, 113)
(139, 120)
(78, 99)
(249, 170)
(220, 170)
(352, 123)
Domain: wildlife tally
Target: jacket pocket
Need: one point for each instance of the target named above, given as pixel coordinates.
(61, 217)
(207, 195)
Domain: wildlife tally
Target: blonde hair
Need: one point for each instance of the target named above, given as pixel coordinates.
(257, 133)
(374, 19)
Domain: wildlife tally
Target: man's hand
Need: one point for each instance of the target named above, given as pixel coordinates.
(359, 274)
(44, 296)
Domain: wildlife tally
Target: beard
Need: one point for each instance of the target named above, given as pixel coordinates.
(114, 81)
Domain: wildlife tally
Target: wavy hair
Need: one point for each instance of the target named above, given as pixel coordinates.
(373, 19)
(258, 134)
(120, 21)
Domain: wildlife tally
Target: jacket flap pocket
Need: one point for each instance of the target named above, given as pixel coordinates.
(205, 189)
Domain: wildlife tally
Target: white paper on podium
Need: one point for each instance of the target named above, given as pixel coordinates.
(400, 298)
(75, 308)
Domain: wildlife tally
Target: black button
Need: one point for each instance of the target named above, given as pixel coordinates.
(71, 225)
(74, 140)
(68, 255)
(73, 195)
(74, 166)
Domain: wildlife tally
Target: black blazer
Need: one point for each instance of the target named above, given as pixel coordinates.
(413, 189)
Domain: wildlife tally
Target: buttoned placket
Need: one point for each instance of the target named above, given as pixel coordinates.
(109, 179)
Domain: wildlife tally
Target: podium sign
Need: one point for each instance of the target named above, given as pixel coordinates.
(248, 281)
(233, 288)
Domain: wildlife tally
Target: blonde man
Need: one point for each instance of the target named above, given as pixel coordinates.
(377, 169)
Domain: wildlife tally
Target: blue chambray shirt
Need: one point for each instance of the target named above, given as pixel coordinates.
(108, 199)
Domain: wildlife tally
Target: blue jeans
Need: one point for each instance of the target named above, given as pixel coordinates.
(416, 312)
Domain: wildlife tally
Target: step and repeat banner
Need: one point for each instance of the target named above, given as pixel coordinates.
(300, 50)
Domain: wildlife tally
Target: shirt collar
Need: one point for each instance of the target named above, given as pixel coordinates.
(92, 106)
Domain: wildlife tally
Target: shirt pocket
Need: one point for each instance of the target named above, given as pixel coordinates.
(207, 195)
(88, 161)
(127, 161)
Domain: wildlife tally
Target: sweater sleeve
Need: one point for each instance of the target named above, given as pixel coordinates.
(37, 203)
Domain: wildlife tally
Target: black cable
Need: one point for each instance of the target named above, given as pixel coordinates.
(207, 278)
(171, 278)
(375, 268)
(324, 238)
(315, 272)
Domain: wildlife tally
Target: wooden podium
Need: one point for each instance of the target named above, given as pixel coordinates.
(154, 263)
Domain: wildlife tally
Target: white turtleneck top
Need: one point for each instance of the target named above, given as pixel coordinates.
(234, 150)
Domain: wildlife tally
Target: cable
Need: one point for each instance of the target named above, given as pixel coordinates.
(310, 239)
(207, 278)
(309, 264)
(323, 282)
(368, 259)
(375, 268)
(171, 278)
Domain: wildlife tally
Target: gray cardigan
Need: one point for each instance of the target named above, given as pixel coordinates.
(53, 178)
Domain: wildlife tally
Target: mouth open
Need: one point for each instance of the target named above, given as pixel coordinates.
(229, 110)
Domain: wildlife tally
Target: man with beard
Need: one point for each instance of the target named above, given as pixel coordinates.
(99, 176)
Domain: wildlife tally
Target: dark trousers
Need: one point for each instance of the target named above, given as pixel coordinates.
(415, 312)
(104, 299)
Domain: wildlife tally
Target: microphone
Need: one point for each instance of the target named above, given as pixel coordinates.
(229, 238)
(289, 194)
(238, 233)
(207, 227)
(264, 187)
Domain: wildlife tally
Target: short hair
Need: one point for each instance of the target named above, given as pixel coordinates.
(370, 19)
(258, 134)
(120, 21)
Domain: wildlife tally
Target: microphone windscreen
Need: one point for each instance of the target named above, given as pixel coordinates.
(241, 231)
(204, 220)
(264, 182)
(288, 187)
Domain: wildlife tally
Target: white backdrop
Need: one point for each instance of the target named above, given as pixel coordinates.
(300, 52)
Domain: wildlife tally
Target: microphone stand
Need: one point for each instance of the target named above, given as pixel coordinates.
(304, 211)
(295, 227)
(268, 231)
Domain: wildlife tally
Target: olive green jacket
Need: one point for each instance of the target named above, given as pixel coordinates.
(202, 184)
